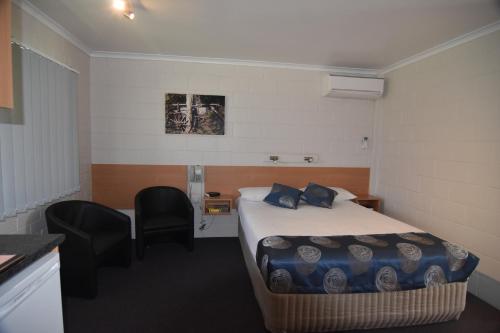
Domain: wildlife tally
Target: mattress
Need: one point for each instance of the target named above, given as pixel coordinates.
(259, 219)
(333, 312)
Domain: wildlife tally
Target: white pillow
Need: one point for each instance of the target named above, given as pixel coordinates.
(342, 194)
(254, 193)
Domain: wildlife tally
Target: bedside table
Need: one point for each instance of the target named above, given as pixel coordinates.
(369, 201)
(218, 218)
(220, 205)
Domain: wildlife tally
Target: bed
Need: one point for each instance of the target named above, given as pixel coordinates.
(287, 312)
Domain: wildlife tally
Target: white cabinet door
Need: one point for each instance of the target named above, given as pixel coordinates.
(31, 300)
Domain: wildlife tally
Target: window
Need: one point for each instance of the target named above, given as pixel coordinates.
(39, 153)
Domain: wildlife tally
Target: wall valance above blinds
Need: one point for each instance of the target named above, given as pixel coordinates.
(39, 157)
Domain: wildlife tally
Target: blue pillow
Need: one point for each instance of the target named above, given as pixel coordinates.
(318, 195)
(283, 196)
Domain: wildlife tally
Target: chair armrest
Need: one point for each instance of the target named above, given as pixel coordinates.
(76, 251)
(76, 241)
(63, 228)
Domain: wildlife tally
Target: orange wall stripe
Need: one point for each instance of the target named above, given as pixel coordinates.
(115, 185)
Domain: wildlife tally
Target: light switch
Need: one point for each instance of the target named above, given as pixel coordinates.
(364, 143)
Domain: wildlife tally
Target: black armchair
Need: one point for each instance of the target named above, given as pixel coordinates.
(95, 236)
(162, 212)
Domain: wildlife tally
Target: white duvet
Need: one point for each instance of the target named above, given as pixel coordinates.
(259, 220)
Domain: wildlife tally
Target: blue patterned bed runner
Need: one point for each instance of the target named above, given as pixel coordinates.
(360, 264)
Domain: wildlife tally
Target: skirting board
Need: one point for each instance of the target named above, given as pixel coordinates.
(485, 288)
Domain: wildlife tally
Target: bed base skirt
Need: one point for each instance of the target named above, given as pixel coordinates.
(328, 312)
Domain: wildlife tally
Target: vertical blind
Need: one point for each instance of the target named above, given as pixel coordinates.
(39, 156)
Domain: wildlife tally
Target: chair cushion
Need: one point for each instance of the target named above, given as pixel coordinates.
(164, 221)
(105, 240)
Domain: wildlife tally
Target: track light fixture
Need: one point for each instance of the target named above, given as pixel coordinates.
(125, 7)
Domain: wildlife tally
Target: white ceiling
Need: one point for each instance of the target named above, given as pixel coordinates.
(345, 33)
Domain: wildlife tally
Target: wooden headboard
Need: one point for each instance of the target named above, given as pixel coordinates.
(228, 179)
(115, 185)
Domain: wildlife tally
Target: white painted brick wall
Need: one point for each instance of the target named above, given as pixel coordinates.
(268, 110)
(438, 147)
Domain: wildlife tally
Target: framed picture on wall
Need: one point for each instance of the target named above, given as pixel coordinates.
(194, 114)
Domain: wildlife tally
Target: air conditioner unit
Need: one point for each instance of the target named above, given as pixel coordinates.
(353, 87)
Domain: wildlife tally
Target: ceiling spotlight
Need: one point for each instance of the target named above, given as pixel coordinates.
(124, 6)
(120, 5)
(129, 15)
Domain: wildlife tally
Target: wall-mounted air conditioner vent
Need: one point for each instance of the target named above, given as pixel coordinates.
(353, 87)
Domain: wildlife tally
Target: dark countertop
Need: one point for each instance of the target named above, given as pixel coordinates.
(32, 247)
